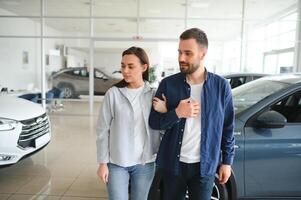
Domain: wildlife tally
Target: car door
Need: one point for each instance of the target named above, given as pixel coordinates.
(82, 81)
(273, 155)
(101, 82)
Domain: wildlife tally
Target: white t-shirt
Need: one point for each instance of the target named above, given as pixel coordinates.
(139, 127)
(191, 143)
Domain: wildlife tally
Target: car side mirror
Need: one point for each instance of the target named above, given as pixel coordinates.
(270, 119)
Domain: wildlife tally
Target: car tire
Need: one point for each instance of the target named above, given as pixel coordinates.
(67, 91)
(220, 191)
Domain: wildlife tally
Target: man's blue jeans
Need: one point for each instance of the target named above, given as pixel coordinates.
(141, 177)
(199, 188)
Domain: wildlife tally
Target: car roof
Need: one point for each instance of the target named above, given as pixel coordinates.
(78, 68)
(230, 75)
(285, 78)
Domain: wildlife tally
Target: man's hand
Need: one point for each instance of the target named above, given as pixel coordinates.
(224, 173)
(103, 172)
(160, 105)
(188, 108)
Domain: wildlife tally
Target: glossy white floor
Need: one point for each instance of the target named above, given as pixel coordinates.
(65, 169)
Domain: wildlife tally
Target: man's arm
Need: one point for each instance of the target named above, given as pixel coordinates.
(228, 140)
(162, 121)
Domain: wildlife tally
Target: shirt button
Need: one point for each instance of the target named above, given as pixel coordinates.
(182, 130)
(180, 142)
(188, 88)
(178, 156)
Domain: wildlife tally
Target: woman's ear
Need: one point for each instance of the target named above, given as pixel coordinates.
(145, 66)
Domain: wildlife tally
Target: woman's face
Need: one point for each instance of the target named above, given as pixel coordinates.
(132, 69)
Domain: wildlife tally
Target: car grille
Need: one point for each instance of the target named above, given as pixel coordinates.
(32, 129)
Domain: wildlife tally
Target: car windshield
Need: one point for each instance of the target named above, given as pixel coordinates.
(249, 94)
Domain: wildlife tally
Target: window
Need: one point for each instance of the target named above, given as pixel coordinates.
(290, 107)
(237, 81)
(100, 75)
(84, 73)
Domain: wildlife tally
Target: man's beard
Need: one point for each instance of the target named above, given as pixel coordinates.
(188, 68)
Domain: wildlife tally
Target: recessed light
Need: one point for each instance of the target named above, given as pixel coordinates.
(196, 5)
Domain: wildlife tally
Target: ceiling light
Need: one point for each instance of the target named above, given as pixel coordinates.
(197, 4)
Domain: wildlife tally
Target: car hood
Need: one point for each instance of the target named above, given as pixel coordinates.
(19, 109)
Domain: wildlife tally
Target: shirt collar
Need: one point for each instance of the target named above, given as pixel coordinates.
(206, 74)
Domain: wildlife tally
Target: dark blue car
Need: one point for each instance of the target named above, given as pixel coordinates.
(268, 142)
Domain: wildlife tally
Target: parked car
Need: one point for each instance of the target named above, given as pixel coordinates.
(267, 161)
(238, 79)
(75, 81)
(24, 129)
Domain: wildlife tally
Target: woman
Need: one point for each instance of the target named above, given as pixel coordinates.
(126, 146)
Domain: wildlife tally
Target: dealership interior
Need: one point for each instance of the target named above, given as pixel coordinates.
(56, 53)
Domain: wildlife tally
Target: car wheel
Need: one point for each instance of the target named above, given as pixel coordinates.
(67, 91)
(220, 191)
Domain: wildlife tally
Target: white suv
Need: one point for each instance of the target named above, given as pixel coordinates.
(24, 129)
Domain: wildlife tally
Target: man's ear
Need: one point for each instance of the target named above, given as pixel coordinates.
(202, 54)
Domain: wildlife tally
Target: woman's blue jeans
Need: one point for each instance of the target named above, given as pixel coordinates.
(140, 178)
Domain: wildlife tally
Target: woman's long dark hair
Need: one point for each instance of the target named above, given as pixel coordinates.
(143, 58)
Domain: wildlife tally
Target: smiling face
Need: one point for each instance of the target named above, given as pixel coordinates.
(132, 69)
(191, 56)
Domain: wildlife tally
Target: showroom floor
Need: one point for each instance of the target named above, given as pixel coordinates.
(65, 169)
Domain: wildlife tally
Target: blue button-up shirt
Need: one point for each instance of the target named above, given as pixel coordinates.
(217, 123)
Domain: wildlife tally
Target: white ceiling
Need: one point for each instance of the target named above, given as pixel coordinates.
(221, 19)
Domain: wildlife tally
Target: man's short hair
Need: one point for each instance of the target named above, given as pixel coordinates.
(197, 34)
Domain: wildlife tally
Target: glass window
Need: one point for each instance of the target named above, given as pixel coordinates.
(249, 94)
(113, 8)
(115, 28)
(20, 7)
(77, 8)
(290, 107)
(215, 9)
(158, 8)
(67, 27)
(271, 8)
(84, 73)
(224, 49)
(20, 61)
(153, 28)
(16, 26)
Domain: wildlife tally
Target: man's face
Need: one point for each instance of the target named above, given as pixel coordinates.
(190, 55)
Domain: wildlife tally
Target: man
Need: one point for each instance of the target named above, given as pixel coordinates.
(198, 124)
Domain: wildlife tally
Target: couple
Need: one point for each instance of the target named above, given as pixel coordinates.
(193, 107)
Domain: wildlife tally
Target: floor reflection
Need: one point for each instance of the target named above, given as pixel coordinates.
(65, 169)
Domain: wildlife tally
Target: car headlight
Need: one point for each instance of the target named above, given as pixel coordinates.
(7, 124)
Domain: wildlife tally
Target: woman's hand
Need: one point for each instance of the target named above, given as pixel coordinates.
(160, 105)
(103, 172)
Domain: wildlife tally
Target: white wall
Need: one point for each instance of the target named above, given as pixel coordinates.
(14, 74)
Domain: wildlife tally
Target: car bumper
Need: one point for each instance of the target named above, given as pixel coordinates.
(28, 137)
